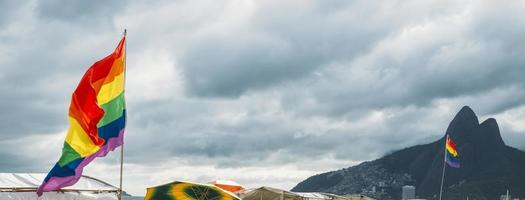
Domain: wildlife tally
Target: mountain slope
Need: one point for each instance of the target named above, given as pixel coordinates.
(488, 167)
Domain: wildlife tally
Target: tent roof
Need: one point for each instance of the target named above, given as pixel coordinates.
(33, 180)
(278, 194)
(319, 195)
(270, 189)
(269, 193)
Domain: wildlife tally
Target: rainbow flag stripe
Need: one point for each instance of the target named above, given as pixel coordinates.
(451, 155)
(97, 117)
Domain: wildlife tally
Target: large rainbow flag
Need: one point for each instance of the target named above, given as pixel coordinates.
(97, 117)
(451, 153)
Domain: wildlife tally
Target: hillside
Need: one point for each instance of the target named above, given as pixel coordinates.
(488, 167)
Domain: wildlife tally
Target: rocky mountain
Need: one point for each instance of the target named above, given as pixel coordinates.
(488, 167)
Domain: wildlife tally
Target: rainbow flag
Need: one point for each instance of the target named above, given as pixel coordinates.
(451, 153)
(97, 117)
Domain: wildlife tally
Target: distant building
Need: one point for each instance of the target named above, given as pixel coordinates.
(408, 192)
(504, 197)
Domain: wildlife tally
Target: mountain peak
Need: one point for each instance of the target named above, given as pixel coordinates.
(466, 115)
(467, 109)
(465, 129)
(489, 131)
(464, 125)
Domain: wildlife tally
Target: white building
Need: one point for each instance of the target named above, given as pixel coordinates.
(408, 192)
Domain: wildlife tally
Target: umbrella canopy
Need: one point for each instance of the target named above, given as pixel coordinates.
(228, 185)
(188, 191)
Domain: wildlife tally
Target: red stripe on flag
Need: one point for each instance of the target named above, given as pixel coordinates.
(451, 143)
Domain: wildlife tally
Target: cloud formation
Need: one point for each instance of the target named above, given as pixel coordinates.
(262, 92)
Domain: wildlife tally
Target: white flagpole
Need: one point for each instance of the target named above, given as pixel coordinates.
(122, 146)
(444, 167)
(121, 169)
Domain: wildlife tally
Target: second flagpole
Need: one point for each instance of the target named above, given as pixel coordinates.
(444, 167)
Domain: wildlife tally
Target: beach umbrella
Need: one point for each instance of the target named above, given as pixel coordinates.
(228, 185)
(188, 191)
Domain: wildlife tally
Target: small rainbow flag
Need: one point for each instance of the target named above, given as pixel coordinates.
(97, 117)
(451, 153)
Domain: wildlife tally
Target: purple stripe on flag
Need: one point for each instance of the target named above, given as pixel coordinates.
(452, 163)
(55, 183)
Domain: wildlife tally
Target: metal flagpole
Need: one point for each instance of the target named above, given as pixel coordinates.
(122, 146)
(121, 167)
(444, 167)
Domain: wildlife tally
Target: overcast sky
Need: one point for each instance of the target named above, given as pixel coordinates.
(260, 92)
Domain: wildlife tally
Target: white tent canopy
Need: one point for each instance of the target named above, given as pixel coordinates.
(319, 196)
(268, 193)
(21, 186)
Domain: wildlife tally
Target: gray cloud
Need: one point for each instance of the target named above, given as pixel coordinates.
(278, 47)
(418, 64)
(14, 163)
(88, 13)
(8, 11)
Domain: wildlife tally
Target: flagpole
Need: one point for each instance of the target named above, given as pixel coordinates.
(444, 167)
(122, 146)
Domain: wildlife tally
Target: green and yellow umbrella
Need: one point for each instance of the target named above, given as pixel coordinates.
(188, 191)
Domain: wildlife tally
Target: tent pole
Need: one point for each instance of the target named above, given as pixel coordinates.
(122, 146)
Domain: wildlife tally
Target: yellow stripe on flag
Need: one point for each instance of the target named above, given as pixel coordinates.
(116, 69)
(452, 151)
(111, 90)
(78, 139)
